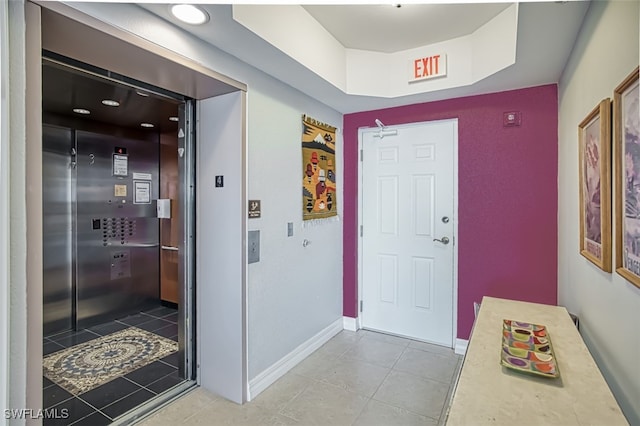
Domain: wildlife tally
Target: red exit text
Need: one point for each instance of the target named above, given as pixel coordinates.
(428, 67)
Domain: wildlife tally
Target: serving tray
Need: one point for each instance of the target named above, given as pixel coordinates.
(527, 348)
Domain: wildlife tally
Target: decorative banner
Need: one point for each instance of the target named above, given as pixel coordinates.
(319, 199)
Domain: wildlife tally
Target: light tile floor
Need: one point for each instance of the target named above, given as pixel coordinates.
(357, 379)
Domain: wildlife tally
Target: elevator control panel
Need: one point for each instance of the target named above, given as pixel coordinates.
(120, 264)
(117, 230)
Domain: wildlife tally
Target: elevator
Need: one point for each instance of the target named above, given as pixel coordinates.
(110, 152)
(215, 320)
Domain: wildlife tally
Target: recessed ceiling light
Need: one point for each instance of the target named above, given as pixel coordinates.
(81, 111)
(174, 119)
(189, 14)
(110, 102)
(148, 125)
(142, 93)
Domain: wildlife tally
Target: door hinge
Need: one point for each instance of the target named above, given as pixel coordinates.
(361, 155)
(361, 306)
(361, 230)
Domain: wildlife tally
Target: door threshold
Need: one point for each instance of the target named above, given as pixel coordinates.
(154, 405)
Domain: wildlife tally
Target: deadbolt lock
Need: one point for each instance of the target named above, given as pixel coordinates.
(445, 219)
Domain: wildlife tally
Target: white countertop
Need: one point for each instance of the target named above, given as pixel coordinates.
(488, 393)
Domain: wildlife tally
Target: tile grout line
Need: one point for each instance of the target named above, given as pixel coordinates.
(140, 387)
(155, 381)
(418, 377)
(371, 398)
(64, 400)
(117, 400)
(342, 355)
(79, 397)
(96, 410)
(92, 332)
(296, 397)
(71, 335)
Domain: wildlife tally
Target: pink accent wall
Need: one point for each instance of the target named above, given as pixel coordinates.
(507, 195)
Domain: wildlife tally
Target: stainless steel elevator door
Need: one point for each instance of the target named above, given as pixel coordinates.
(117, 232)
(57, 229)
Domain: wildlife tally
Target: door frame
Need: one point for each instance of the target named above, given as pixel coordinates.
(5, 190)
(361, 132)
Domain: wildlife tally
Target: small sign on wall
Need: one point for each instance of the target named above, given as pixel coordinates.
(120, 165)
(142, 192)
(427, 67)
(119, 190)
(255, 210)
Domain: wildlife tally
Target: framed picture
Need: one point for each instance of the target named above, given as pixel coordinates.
(627, 171)
(594, 136)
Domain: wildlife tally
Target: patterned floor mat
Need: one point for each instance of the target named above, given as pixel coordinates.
(89, 365)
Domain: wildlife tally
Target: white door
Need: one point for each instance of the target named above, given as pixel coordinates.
(407, 243)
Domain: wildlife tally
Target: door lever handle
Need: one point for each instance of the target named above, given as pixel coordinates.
(444, 240)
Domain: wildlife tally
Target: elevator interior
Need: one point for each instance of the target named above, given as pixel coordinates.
(110, 152)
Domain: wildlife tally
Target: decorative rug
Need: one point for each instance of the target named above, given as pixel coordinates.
(89, 365)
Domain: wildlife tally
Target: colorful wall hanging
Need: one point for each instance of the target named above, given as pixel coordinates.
(319, 198)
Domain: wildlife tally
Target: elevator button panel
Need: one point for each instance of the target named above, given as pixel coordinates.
(120, 264)
(118, 230)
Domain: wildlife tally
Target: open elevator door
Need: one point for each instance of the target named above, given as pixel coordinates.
(109, 248)
(70, 32)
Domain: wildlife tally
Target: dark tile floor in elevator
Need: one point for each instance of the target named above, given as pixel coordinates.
(102, 405)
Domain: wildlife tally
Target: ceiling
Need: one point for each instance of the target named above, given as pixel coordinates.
(546, 35)
(389, 28)
(65, 88)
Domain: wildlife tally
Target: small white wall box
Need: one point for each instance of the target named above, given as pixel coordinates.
(164, 208)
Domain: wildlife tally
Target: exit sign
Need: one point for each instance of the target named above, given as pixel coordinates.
(427, 67)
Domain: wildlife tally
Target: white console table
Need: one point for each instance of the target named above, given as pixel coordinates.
(490, 394)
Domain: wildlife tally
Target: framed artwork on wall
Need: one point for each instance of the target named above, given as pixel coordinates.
(594, 137)
(626, 121)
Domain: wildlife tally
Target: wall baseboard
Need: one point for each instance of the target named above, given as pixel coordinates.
(351, 324)
(461, 346)
(293, 358)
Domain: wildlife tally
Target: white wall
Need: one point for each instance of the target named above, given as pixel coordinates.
(220, 226)
(470, 58)
(4, 207)
(17, 349)
(293, 293)
(606, 51)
